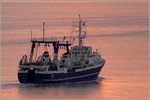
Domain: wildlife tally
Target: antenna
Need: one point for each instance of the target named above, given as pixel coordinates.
(81, 31)
(80, 40)
(43, 31)
(79, 17)
(80, 27)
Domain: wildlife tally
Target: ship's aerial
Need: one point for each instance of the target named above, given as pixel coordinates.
(79, 63)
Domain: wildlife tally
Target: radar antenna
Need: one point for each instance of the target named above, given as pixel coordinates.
(80, 27)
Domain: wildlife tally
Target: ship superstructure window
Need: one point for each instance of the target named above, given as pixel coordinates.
(65, 56)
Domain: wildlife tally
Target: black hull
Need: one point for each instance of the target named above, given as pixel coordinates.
(38, 78)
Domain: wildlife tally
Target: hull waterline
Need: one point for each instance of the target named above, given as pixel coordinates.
(35, 77)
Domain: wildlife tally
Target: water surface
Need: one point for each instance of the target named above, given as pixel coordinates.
(118, 30)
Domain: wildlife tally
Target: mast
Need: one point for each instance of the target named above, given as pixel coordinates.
(80, 39)
(32, 50)
(81, 30)
(43, 30)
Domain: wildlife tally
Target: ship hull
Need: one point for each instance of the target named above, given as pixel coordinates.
(40, 78)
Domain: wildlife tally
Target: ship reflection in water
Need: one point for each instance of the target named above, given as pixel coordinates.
(54, 91)
(120, 33)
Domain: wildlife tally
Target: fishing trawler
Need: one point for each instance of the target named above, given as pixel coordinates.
(79, 63)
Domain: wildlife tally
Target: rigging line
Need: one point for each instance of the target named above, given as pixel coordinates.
(36, 51)
(52, 55)
(28, 51)
(45, 46)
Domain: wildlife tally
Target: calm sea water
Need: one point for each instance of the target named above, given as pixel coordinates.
(118, 30)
